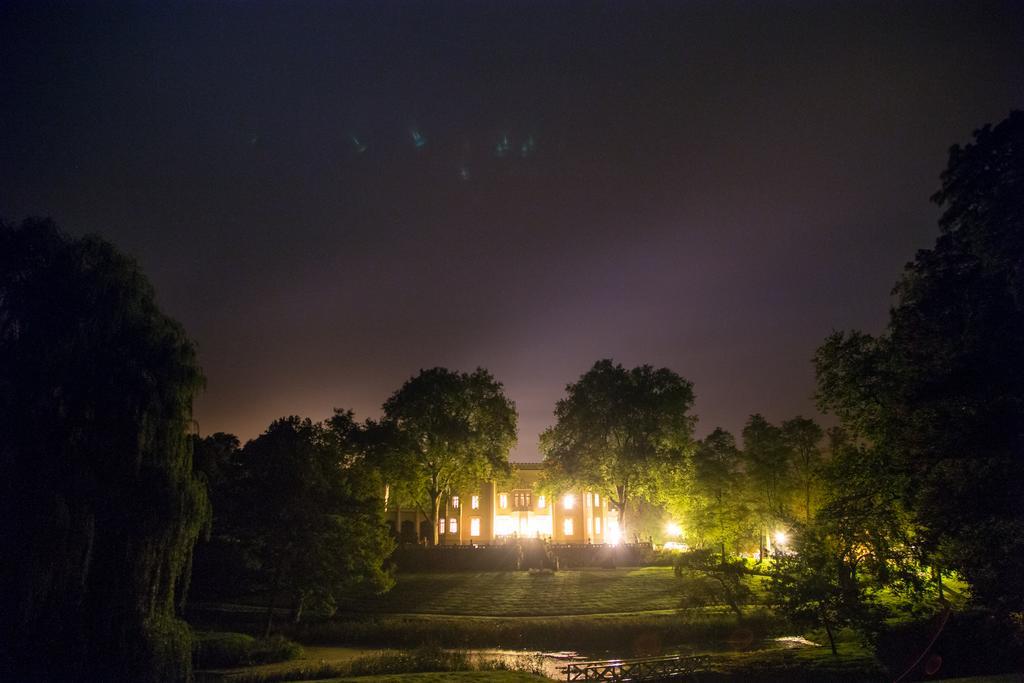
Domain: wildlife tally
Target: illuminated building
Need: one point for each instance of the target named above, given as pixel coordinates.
(497, 512)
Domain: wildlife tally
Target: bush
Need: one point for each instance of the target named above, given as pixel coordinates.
(215, 650)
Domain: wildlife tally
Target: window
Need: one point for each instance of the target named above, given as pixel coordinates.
(590, 499)
(567, 527)
(503, 525)
(597, 525)
(455, 502)
(453, 526)
(597, 500)
(440, 526)
(568, 501)
(503, 500)
(474, 502)
(541, 503)
(474, 527)
(590, 525)
(522, 500)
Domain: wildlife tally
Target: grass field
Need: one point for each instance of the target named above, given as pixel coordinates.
(592, 591)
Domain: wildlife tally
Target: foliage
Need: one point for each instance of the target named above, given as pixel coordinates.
(818, 586)
(724, 576)
(802, 437)
(767, 463)
(941, 393)
(444, 431)
(213, 650)
(98, 499)
(620, 432)
(302, 507)
(718, 513)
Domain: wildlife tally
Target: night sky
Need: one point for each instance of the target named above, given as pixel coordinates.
(331, 196)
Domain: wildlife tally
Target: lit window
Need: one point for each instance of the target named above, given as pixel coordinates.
(440, 525)
(590, 525)
(455, 502)
(590, 499)
(453, 525)
(597, 525)
(569, 501)
(597, 499)
(541, 502)
(503, 525)
(503, 500)
(474, 526)
(567, 527)
(474, 502)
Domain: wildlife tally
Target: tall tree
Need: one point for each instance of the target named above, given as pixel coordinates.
(941, 393)
(311, 514)
(719, 513)
(619, 431)
(802, 437)
(98, 500)
(444, 431)
(767, 464)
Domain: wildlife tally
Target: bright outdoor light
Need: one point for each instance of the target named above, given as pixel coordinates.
(781, 538)
(673, 529)
(612, 536)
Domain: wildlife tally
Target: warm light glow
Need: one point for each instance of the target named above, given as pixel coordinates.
(781, 537)
(453, 525)
(455, 502)
(474, 526)
(673, 529)
(542, 524)
(503, 500)
(503, 525)
(567, 527)
(612, 535)
(597, 500)
(474, 502)
(541, 502)
(568, 501)
(597, 525)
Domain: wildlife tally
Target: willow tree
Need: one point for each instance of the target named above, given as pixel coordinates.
(444, 431)
(620, 432)
(99, 504)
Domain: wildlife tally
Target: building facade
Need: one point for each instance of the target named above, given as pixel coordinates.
(497, 512)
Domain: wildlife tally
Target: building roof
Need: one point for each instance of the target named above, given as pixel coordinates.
(527, 465)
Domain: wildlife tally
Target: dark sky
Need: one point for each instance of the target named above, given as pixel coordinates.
(322, 193)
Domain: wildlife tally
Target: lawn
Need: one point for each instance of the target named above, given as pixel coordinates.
(592, 591)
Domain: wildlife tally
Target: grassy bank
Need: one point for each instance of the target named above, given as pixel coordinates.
(588, 591)
(627, 635)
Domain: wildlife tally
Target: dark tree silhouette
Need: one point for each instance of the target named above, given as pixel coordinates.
(99, 504)
(941, 394)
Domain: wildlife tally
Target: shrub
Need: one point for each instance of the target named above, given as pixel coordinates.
(215, 650)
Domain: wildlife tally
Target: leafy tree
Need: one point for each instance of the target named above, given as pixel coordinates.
(941, 393)
(718, 512)
(817, 586)
(311, 515)
(801, 437)
(723, 578)
(444, 431)
(767, 464)
(99, 504)
(619, 431)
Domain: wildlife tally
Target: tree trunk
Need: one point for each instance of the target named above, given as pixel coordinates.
(437, 516)
(938, 577)
(831, 638)
(300, 601)
(275, 586)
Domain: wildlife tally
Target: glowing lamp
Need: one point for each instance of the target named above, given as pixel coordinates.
(781, 538)
(673, 529)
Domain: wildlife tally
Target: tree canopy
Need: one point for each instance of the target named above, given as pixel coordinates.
(443, 431)
(618, 431)
(940, 394)
(99, 504)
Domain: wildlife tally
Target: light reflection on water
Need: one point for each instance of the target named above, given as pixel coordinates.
(552, 663)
